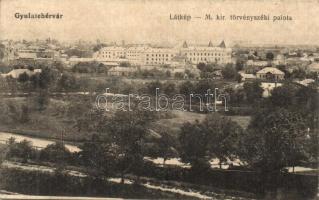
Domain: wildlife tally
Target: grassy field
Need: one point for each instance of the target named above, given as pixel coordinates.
(48, 123)
(62, 112)
(180, 117)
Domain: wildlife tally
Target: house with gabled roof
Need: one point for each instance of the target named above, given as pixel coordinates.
(271, 74)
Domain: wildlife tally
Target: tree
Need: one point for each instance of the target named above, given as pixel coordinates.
(206, 69)
(125, 64)
(68, 82)
(23, 77)
(151, 87)
(164, 147)
(127, 131)
(283, 96)
(298, 73)
(82, 68)
(56, 153)
(22, 150)
(204, 85)
(179, 75)
(168, 73)
(235, 97)
(98, 156)
(42, 100)
(78, 52)
(312, 75)
(269, 56)
(194, 145)
(216, 137)
(46, 78)
(169, 89)
(224, 135)
(201, 66)
(189, 74)
(186, 88)
(58, 65)
(301, 99)
(1, 53)
(12, 84)
(253, 91)
(239, 65)
(97, 47)
(274, 140)
(229, 72)
(283, 68)
(25, 114)
(34, 79)
(3, 153)
(13, 112)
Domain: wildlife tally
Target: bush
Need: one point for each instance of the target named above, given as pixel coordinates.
(56, 153)
(62, 184)
(22, 150)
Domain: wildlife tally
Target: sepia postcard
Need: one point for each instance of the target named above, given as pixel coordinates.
(159, 99)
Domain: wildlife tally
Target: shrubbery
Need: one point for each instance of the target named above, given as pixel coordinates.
(61, 184)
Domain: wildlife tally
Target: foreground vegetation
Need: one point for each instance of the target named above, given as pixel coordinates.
(282, 133)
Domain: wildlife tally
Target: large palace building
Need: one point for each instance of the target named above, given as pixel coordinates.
(146, 55)
(205, 54)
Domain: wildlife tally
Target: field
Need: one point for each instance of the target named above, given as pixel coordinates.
(180, 117)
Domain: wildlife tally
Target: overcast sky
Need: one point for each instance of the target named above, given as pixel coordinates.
(144, 21)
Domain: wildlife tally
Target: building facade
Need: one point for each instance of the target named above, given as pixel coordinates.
(201, 54)
(135, 55)
(146, 55)
(159, 56)
(111, 53)
(271, 74)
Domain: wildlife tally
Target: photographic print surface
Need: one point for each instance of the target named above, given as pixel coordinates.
(145, 99)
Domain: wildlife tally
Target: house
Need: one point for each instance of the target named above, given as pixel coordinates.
(270, 73)
(247, 77)
(17, 72)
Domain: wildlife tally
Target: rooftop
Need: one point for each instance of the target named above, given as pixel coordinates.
(271, 70)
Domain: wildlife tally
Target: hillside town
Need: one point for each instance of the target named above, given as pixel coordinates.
(53, 129)
(270, 65)
(170, 99)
